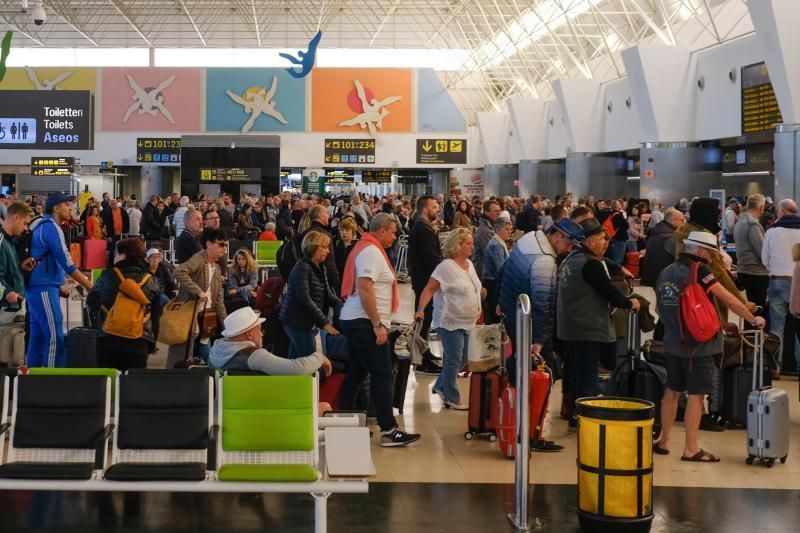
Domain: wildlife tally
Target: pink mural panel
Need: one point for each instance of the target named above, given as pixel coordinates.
(150, 99)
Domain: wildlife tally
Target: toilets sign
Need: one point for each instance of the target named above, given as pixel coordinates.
(46, 119)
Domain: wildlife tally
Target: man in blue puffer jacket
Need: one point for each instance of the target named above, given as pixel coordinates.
(532, 269)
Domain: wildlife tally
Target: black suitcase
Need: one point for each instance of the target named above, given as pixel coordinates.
(643, 383)
(737, 382)
(400, 371)
(275, 338)
(82, 348)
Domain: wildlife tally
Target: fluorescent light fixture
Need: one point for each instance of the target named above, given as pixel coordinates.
(634, 178)
(79, 57)
(757, 173)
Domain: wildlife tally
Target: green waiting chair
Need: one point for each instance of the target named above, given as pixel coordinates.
(268, 430)
(96, 273)
(267, 252)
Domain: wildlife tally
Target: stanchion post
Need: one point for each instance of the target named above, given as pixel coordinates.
(523, 447)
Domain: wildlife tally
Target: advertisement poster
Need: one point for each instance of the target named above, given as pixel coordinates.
(467, 182)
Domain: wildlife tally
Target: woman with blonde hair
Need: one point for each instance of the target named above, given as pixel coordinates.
(308, 296)
(243, 277)
(457, 294)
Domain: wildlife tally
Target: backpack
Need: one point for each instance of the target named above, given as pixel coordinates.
(128, 314)
(268, 297)
(287, 256)
(608, 224)
(697, 315)
(24, 244)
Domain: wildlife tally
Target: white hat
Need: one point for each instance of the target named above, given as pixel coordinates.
(702, 239)
(240, 321)
(153, 251)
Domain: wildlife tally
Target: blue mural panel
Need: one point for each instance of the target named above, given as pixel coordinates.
(437, 111)
(254, 100)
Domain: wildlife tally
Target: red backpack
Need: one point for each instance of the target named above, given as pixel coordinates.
(697, 315)
(268, 297)
(608, 224)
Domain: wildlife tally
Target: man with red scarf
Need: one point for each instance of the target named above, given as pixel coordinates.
(369, 286)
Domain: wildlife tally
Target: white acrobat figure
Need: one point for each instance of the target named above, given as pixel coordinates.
(148, 101)
(374, 111)
(47, 85)
(257, 100)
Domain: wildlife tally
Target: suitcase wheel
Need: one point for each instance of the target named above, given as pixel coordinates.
(469, 435)
(749, 460)
(492, 437)
(783, 459)
(769, 463)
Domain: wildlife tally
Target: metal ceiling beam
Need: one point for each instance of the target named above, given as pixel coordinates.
(650, 22)
(20, 31)
(385, 19)
(70, 23)
(191, 20)
(122, 11)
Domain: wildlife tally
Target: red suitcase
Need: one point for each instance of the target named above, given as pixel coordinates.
(484, 389)
(631, 262)
(330, 388)
(94, 254)
(506, 411)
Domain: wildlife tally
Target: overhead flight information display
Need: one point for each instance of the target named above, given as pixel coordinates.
(46, 120)
(230, 174)
(52, 166)
(158, 150)
(760, 111)
(376, 176)
(349, 150)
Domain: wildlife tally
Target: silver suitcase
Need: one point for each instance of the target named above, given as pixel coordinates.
(767, 415)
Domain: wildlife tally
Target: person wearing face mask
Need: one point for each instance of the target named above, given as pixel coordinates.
(584, 303)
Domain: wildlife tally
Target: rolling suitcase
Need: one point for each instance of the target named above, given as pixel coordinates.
(81, 342)
(484, 389)
(767, 415)
(400, 369)
(737, 383)
(541, 382)
(643, 383)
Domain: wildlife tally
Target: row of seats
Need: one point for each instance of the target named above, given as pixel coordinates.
(163, 427)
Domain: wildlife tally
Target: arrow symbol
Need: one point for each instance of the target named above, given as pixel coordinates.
(140, 144)
(139, 157)
(327, 159)
(427, 146)
(327, 145)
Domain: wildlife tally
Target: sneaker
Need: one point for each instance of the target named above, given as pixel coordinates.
(545, 446)
(430, 370)
(457, 406)
(710, 423)
(398, 437)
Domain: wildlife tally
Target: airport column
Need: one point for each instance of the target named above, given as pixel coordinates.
(581, 103)
(493, 129)
(775, 23)
(664, 89)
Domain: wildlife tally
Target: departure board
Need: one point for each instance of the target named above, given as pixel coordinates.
(760, 111)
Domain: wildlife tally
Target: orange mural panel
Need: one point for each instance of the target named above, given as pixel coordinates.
(338, 96)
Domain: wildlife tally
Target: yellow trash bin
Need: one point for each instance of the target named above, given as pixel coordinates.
(615, 464)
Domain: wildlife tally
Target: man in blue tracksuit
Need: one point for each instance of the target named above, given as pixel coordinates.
(53, 261)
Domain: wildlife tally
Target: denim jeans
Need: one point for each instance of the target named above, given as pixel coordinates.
(456, 355)
(778, 298)
(618, 250)
(367, 357)
(583, 356)
(302, 342)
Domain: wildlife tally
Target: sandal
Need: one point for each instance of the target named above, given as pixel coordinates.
(701, 457)
(659, 450)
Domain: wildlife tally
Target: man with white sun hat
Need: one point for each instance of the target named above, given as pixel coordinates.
(240, 349)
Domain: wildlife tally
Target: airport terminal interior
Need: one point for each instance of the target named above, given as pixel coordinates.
(583, 114)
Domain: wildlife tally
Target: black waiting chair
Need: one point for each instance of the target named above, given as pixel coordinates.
(60, 428)
(165, 428)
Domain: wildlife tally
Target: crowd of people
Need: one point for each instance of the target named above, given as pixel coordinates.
(468, 260)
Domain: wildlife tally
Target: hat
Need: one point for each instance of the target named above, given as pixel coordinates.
(152, 251)
(55, 199)
(702, 239)
(704, 212)
(240, 321)
(570, 228)
(591, 226)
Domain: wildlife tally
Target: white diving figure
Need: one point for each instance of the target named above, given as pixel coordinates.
(47, 85)
(257, 100)
(374, 111)
(149, 100)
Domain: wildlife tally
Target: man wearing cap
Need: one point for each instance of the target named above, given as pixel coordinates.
(690, 364)
(531, 269)
(49, 250)
(240, 348)
(584, 303)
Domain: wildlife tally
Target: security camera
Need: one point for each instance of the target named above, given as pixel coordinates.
(38, 14)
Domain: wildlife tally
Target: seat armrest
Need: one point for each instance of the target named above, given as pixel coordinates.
(4, 427)
(102, 446)
(213, 435)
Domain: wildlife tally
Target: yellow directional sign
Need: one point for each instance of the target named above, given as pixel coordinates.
(442, 151)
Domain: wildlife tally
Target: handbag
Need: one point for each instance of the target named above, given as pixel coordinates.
(484, 348)
(177, 321)
(207, 320)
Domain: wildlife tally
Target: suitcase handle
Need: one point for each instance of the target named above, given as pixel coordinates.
(758, 358)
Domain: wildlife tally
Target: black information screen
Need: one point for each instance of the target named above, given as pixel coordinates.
(52, 166)
(760, 111)
(261, 165)
(46, 120)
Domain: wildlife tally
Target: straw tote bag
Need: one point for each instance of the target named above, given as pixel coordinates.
(177, 322)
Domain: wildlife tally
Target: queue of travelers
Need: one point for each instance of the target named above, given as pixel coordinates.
(468, 260)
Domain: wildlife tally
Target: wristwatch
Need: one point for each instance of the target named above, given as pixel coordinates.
(378, 325)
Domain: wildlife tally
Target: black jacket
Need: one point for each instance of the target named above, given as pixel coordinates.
(186, 246)
(108, 221)
(449, 212)
(149, 226)
(341, 253)
(166, 282)
(659, 253)
(284, 224)
(226, 222)
(530, 220)
(424, 253)
(308, 296)
(330, 261)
